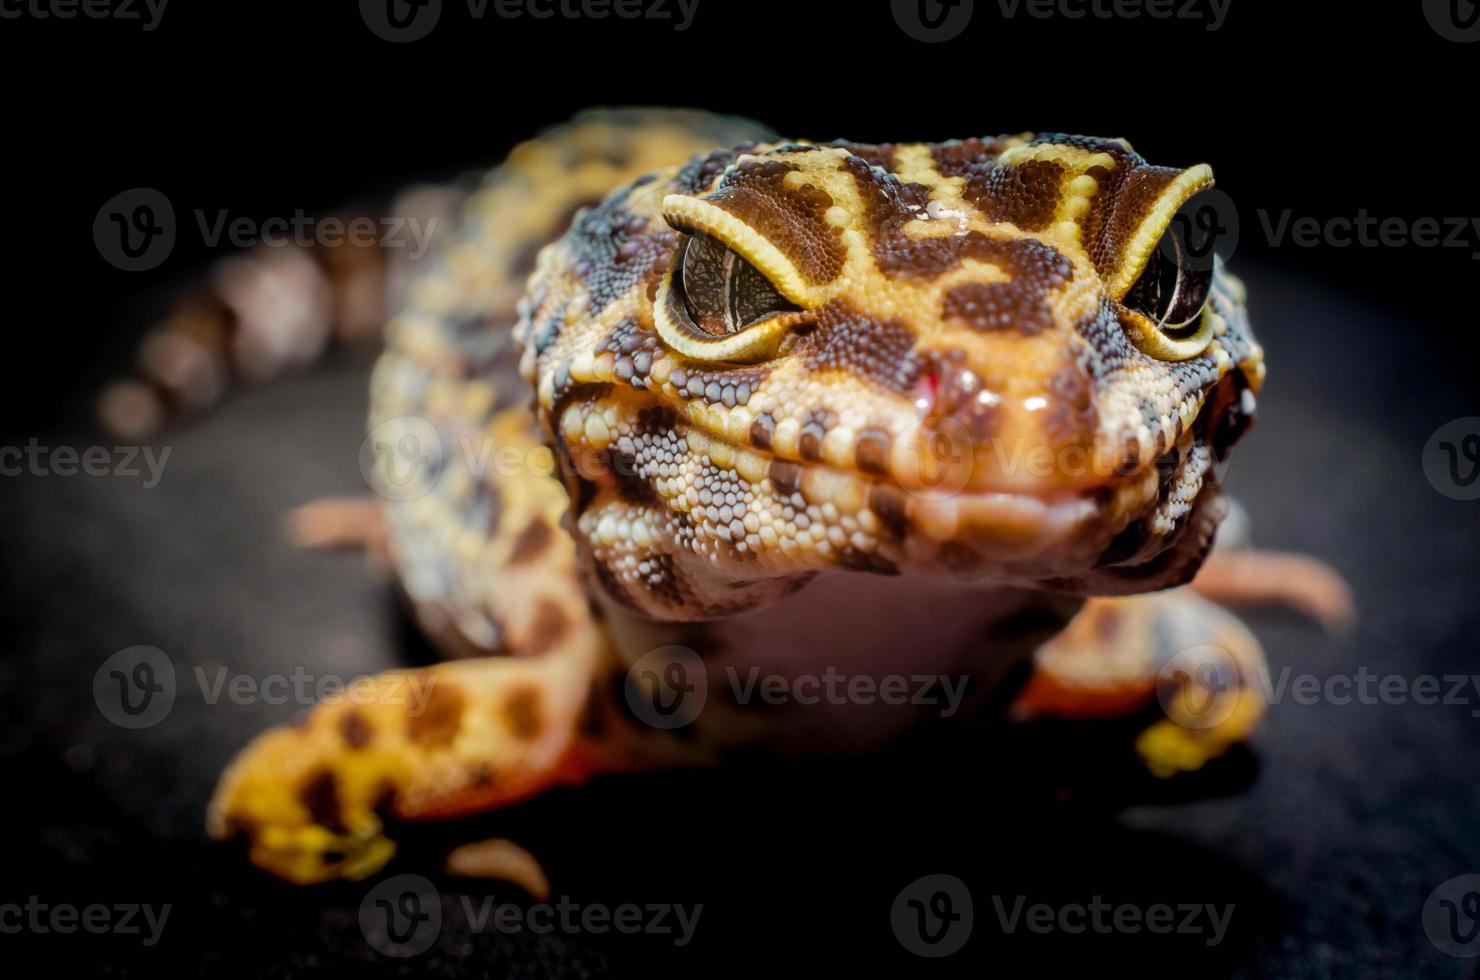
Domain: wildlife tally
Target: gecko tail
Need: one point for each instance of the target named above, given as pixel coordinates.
(273, 311)
(280, 309)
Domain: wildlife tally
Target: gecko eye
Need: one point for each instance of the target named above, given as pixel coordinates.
(722, 293)
(1174, 287)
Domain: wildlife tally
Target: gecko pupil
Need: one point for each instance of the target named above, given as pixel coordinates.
(1174, 288)
(723, 293)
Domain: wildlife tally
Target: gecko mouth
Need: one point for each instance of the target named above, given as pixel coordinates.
(1117, 527)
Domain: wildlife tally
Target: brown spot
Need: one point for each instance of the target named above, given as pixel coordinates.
(1072, 418)
(785, 475)
(355, 730)
(532, 541)
(880, 155)
(966, 158)
(1026, 195)
(547, 628)
(439, 719)
(320, 795)
(1107, 623)
(523, 711)
(480, 776)
(865, 562)
(880, 352)
(762, 431)
(810, 442)
(872, 451)
(890, 506)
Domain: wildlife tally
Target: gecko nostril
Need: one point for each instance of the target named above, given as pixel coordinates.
(948, 389)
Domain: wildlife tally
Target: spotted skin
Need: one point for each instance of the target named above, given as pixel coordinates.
(947, 389)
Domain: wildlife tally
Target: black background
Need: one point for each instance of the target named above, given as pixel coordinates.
(1355, 813)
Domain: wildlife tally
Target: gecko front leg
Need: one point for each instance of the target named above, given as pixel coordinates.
(315, 800)
(1120, 656)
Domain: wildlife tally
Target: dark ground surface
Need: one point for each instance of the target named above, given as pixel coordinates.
(1355, 814)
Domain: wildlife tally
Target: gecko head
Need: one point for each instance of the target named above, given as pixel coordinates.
(998, 360)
